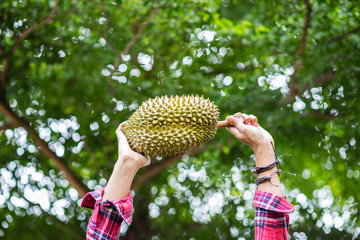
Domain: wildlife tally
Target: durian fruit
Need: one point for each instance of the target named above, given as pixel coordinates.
(167, 126)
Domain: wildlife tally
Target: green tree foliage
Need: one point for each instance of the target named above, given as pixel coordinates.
(71, 71)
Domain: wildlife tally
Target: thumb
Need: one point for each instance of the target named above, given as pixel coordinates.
(119, 130)
(236, 122)
(122, 140)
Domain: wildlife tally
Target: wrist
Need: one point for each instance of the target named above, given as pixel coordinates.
(127, 163)
(120, 181)
(263, 144)
(264, 154)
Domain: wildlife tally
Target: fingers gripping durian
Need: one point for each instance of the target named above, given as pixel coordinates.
(167, 126)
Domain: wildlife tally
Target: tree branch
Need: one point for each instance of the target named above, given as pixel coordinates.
(29, 30)
(318, 114)
(344, 35)
(294, 91)
(160, 166)
(6, 126)
(305, 27)
(321, 79)
(44, 148)
(136, 37)
(316, 82)
(3, 78)
(292, 82)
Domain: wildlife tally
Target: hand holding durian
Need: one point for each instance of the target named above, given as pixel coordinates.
(247, 129)
(167, 126)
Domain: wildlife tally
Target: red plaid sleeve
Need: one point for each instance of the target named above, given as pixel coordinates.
(105, 222)
(271, 216)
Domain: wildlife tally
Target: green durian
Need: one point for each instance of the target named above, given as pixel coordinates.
(167, 126)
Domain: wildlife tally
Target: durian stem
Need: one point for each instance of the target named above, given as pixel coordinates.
(222, 124)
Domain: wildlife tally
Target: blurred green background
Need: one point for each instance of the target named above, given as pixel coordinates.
(71, 71)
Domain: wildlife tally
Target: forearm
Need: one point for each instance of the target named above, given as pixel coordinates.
(264, 156)
(120, 181)
(114, 204)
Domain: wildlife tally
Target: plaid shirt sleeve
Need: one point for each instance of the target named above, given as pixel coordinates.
(271, 216)
(105, 222)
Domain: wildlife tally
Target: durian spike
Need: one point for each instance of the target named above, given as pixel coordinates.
(222, 124)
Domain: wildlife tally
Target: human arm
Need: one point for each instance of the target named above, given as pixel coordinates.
(113, 204)
(272, 210)
(247, 129)
(127, 165)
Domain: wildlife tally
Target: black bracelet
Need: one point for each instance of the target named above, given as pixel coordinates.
(258, 170)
